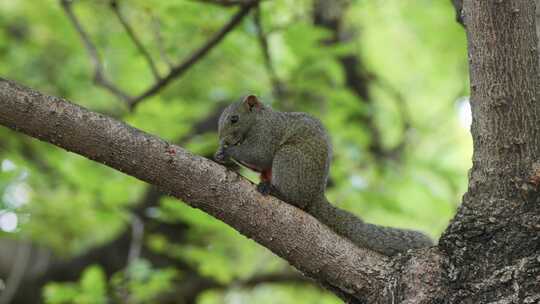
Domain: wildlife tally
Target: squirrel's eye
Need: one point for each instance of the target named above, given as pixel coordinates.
(234, 119)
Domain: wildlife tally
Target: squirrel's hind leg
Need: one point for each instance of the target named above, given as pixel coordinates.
(298, 175)
(265, 187)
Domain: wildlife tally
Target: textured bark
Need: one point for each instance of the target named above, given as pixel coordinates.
(353, 273)
(537, 19)
(494, 242)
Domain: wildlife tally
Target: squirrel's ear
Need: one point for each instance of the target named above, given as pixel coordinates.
(251, 102)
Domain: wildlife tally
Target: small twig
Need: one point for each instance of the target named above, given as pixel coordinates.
(129, 30)
(278, 88)
(398, 97)
(225, 2)
(156, 26)
(401, 104)
(458, 6)
(174, 72)
(37, 159)
(297, 18)
(135, 246)
(137, 233)
(196, 55)
(99, 74)
(192, 286)
(284, 277)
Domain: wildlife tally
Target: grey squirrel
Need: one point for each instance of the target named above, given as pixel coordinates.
(292, 153)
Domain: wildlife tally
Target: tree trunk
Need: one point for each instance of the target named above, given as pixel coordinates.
(494, 241)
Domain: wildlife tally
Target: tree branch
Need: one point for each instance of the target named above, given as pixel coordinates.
(129, 30)
(354, 273)
(226, 3)
(156, 27)
(458, 6)
(192, 286)
(137, 233)
(403, 111)
(197, 55)
(329, 14)
(278, 88)
(175, 71)
(283, 277)
(99, 71)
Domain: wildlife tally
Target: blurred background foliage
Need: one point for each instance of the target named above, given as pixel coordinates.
(390, 84)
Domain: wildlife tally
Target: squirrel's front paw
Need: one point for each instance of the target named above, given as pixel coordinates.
(221, 156)
(264, 188)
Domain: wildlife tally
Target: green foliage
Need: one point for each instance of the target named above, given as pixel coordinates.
(269, 295)
(91, 289)
(139, 282)
(70, 204)
(142, 283)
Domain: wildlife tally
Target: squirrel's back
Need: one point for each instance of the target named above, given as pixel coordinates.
(309, 132)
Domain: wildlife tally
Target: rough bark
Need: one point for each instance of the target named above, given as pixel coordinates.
(537, 19)
(494, 241)
(353, 273)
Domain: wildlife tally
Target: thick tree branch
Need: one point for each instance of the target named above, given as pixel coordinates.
(353, 273)
(99, 71)
(131, 33)
(197, 55)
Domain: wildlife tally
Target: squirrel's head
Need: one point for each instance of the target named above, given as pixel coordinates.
(237, 119)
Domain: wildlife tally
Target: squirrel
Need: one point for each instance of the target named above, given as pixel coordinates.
(292, 153)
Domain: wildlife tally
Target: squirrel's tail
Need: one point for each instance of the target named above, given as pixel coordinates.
(386, 240)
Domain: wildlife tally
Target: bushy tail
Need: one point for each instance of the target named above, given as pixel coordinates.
(386, 240)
